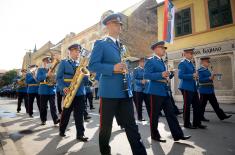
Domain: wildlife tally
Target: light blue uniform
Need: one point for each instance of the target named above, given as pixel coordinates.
(21, 89)
(138, 75)
(66, 70)
(44, 89)
(87, 84)
(153, 71)
(32, 84)
(186, 71)
(105, 55)
(204, 78)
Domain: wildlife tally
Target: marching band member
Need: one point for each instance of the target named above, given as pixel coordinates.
(206, 90)
(64, 76)
(32, 90)
(114, 100)
(155, 71)
(22, 91)
(46, 92)
(89, 95)
(139, 87)
(188, 76)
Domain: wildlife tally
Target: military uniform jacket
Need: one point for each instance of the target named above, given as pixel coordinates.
(87, 84)
(205, 84)
(21, 89)
(146, 87)
(153, 71)
(32, 84)
(186, 70)
(105, 55)
(57, 88)
(44, 89)
(138, 75)
(65, 73)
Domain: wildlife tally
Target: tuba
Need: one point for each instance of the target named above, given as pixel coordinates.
(51, 80)
(81, 71)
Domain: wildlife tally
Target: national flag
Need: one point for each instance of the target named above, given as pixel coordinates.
(169, 16)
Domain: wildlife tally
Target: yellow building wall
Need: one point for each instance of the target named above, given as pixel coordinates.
(201, 33)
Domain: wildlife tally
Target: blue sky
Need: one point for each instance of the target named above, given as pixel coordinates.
(26, 22)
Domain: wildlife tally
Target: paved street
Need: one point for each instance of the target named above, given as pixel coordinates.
(25, 136)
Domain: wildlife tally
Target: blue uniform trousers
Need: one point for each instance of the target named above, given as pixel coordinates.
(59, 101)
(191, 98)
(204, 98)
(139, 98)
(157, 103)
(43, 107)
(22, 96)
(89, 97)
(123, 110)
(77, 107)
(31, 98)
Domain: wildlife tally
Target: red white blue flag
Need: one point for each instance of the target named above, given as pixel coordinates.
(169, 16)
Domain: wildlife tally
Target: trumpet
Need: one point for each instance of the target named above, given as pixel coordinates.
(80, 73)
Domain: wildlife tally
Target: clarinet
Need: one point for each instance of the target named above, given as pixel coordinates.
(196, 79)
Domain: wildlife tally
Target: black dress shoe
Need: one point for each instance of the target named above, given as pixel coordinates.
(141, 120)
(159, 139)
(205, 120)
(43, 123)
(18, 111)
(31, 116)
(178, 113)
(201, 126)
(87, 117)
(226, 117)
(190, 127)
(62, 134)
(182, 138)
(57, 121)
(92, 108)
(82, 138)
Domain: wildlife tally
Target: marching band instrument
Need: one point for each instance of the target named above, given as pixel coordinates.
(20, 83)
(51, 79)
(124, 57)
(196, 72)
(81, 71)
(33, 71)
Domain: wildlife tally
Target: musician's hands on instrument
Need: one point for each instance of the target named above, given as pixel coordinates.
(212, 77)
(49, 74)
(119, 68)
(165, 74)
(195, 75)
(66, 90)
(143, 81)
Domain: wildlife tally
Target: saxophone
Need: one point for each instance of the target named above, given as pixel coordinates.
(51, 80)
(81, 71)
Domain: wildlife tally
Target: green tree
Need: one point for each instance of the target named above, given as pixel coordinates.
(8, 77)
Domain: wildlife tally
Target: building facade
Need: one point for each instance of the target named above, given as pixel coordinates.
(139, 31)
(209, 27)
(35, 57)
